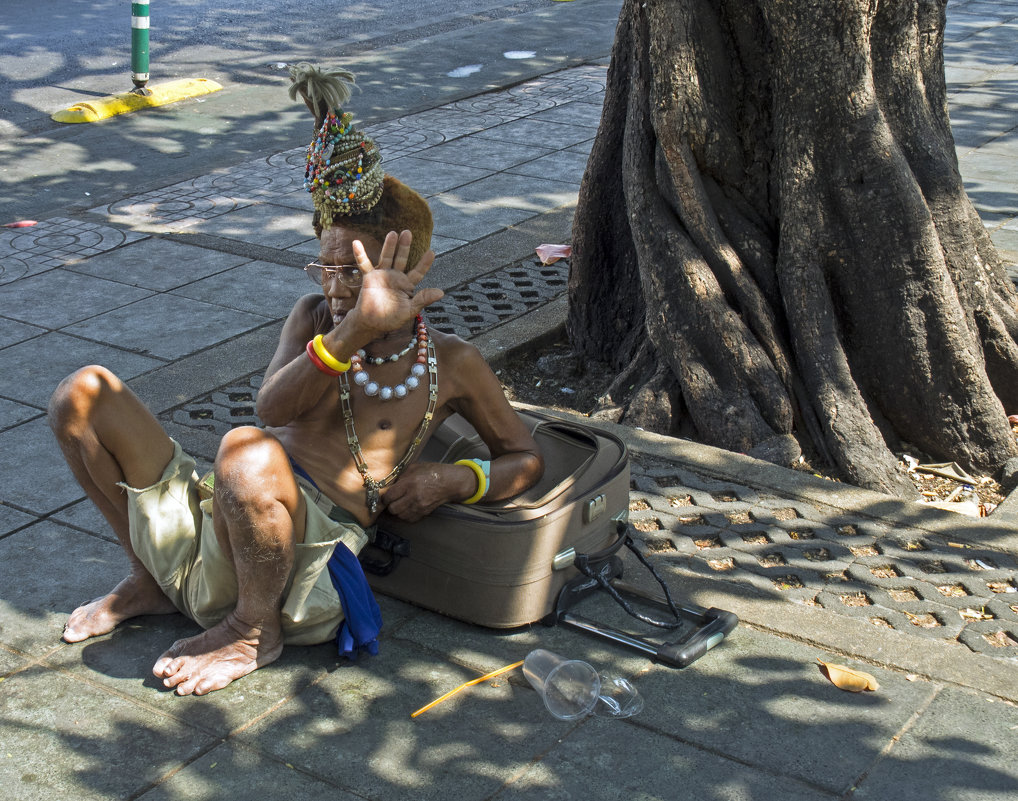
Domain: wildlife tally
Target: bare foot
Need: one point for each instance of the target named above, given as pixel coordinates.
(135, 595)
(214, 658)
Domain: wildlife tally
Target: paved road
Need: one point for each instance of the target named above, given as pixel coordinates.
(442, 52)
(82, 47)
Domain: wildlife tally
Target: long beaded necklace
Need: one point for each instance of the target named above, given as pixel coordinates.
(371, 388)
(371, 485)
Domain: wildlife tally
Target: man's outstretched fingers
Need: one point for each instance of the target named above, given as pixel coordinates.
(403, 244)
(425, 298)
(390, 247)
(416, 275)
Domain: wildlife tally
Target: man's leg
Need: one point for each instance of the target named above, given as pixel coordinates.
(108, 436)
(258, 513)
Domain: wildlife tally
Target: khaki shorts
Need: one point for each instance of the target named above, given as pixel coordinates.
(172, 534)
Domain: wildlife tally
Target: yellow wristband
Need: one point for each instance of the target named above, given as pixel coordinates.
(482, 482)
(328, 358)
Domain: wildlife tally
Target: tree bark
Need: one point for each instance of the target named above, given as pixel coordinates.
(772, 221)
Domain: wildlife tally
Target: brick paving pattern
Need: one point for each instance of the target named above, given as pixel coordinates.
(853, 565)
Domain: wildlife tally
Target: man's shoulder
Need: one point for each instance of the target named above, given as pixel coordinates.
(312, 309)
(451, 349)
(309, 303)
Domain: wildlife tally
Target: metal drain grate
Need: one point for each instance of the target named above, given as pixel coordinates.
(895, 578)
(219, 411)
(471, 308)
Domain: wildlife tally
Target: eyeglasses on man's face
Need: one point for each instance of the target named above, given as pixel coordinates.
(321, 274)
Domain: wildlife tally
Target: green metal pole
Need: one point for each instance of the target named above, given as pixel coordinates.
(139, 45)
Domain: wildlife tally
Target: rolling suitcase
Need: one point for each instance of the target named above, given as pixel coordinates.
(536, 556)
(502, 565)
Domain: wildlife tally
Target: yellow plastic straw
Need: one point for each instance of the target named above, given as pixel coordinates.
(451, 693)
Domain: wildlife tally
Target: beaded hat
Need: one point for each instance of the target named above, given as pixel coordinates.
(344, 166)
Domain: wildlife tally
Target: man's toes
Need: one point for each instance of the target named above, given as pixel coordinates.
(187, 687)
(71, 634)
(169, 663)
(169, 669)
(205, 686)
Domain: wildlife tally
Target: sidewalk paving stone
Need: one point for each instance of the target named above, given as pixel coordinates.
(473, 746)
(278, 288)
(426, 178)
(261, 224)
(969, 763)
(157, 264)
(67, 739)
(12, 519)
(53, 242)
(167, 326)
(33, 368)
(38, 481)
(12, 332)
(786, 716)
(11, 413)
(607, 761)
(122, 664)
(70, 297)
(32, 620)
(9, 662)
(226, 772)
(506, 190)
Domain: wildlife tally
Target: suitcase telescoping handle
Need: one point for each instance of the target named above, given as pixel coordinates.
(704, 628)
(678, 654)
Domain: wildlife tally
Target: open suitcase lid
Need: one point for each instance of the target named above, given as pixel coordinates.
(570, 451)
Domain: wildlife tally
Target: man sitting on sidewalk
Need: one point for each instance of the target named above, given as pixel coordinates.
(269, 558)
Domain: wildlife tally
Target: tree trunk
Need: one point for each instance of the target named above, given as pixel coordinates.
(773, 236)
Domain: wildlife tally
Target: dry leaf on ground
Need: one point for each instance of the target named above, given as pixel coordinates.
(846, 678)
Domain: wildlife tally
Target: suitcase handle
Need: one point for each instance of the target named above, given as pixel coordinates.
(583, 561)
(603, 571)
(592, 566)
(392, 544)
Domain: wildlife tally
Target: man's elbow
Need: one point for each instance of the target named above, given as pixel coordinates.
(533, 468)
(270, 414)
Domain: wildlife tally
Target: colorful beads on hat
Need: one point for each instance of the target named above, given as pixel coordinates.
(339, 153)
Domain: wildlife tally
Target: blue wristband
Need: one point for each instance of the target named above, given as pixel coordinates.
(486, 467)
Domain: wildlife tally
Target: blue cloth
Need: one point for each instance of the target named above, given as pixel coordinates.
(362, 617)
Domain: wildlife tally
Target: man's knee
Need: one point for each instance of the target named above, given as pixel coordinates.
(253, 475)
(247, 453)
(78, 396)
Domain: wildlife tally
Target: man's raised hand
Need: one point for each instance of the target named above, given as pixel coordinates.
(389, 298)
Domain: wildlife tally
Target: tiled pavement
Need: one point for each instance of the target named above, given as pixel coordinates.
(149, 286)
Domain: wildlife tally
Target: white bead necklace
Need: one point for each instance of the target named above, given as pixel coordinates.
(383, 359)
(362, 378)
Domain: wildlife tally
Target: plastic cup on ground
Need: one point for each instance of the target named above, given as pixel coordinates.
(569, 688)
(618, 698)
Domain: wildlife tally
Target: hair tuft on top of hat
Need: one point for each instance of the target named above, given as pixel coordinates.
(344, 166)
(322, 90)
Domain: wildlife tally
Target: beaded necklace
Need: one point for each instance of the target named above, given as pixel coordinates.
(371, 485)
(362, 379)
(377, 360)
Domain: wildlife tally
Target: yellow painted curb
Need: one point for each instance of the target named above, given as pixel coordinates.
(104, 107)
